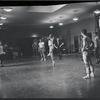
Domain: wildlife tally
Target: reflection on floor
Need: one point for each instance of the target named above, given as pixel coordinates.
(32, 78)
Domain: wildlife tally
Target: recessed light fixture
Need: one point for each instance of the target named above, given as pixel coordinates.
(3, 17)
(60, 24)
(8, 9)
(97, 11)
(1, 23)
(75, 18)
(51, 26)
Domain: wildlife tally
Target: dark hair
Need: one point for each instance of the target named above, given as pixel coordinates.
(96, 33)
(84, 31)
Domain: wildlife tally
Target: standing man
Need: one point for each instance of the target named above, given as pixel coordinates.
(97, 47)
(86, 54)
(58, 45)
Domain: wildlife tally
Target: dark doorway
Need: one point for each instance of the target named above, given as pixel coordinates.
(76, 46)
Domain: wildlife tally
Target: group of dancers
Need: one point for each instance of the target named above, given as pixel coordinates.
(52, 44)
(87, 44)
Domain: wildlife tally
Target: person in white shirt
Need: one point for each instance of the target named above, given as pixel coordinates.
(42, 50)
(97, 47)
(51, 48)
(1, 54)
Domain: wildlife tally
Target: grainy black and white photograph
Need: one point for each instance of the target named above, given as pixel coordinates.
(50, 50)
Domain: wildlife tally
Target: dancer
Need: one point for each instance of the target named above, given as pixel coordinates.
(42, 50)
(51, 48)
(59, 43)
(86, 51)
(1, 54)
(97, 47)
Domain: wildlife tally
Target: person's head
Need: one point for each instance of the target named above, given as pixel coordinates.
(40, 40)
(52, 37)
(35, 40)
(57, 38)
(84, 32)
(96, 33)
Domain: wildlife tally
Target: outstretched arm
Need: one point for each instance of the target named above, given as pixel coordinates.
(61, 44)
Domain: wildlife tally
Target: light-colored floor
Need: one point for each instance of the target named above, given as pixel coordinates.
(32, 78)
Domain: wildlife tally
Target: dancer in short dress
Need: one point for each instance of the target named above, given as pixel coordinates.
(51, 48)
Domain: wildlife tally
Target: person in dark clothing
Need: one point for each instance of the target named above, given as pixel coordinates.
(59, 44)
(97, 47)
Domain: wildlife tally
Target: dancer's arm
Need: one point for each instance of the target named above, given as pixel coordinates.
(61, 44)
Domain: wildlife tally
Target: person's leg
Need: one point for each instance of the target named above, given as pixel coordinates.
(43, 52)
(1, 60)
(33, 52)
(97, 55)
(49, 51)
(52, 56)
(36, 52)
(60, 53)
(91, 67)
(81, 57)
(86, 63)
(41, 55)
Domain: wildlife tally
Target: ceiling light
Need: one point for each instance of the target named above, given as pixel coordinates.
(75, 18)
(60, 24)
(51, 26)
(97, 11)
(1, 23)
(8, 9)
(34, 35)
(3, 18)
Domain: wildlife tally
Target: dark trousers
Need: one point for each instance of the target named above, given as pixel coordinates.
(1, 58)
(97, 55)
(60, 53)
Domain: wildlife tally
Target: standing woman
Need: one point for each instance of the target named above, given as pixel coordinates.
(97, 47)
(1, 54)
(35, 48)
(42, 50)
(51, 48)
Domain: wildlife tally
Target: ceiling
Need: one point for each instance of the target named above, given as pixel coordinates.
(43, 16)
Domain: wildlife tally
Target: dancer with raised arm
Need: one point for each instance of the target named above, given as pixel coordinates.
(51, 48)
